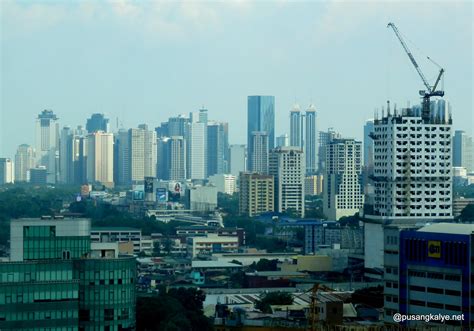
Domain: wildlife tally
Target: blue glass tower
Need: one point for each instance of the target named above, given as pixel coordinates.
(260, 117)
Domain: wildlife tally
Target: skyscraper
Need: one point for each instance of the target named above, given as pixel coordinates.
(47, 143)
(7, 171)
(237, 159)
(217, 144)
(100, 158)
(296, 127)
(287, 165)
(282, 140)
(122, 158)
(97, 122)
(310, 142)
(260, 117)
(259, 143)
(256, 194)
(150, 151)
(197, 145)
(324, 139)
(463, 150)
(368, 167)
(24, 161)
(172, 158)
(342, 193)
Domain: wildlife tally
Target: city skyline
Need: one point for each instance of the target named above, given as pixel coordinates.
(74, 73)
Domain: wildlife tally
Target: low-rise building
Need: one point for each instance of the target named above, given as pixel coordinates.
(225, 183)
(211, 243)
(118, 234)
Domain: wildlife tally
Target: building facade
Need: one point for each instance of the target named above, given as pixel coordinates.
(310, 141)
(342, 193)
(24, 161)
(259, 150)
(260, 117)
(97, 122)
(47, 143)
(256, 194)
(463, 150)
(7, 171)
(225, 183)
(296, 127)
(287, 165)
(100, 158)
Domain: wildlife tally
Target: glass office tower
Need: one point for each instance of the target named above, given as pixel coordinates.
(56, 280)
(260, 117)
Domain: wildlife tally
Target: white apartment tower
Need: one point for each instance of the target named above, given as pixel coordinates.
(287, 165)
(100, 158)
(47, 143)
(296, 130)
(197, 145)
(24, 161)
(342, 193)
(7, 171)
(177, 158)
(259, 141)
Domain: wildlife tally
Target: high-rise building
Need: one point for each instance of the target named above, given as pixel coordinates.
(368, 144)
(225, 183)
(38, 175)
(282, 140)
(7, 171)
(260, 117)
(412, 173)
(256, 194)
(72, 155)
(324, 139)
(97, 122)
(172, 158)
(287, 165)
(100, 158)
(310, 141)
(122, 172)
(429, 270)
(296, 127)
(259, 142)
(237, 159)
(342, 193)
(57, 280)
(150, 151)
(24, 161)
(217, 146)
(197, 145)
(463, 151)
(313, 184)
(47, 144)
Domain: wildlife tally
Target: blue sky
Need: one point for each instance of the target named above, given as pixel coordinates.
(145, 61)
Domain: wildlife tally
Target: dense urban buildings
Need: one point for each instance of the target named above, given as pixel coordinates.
(256, 193)
(197, 146)
(463, 150)
(47, 143)
(259, 157)
(324, 138)
(97, 122)
(100, 158)
(296, 127)
(343, 194)
(24, 161)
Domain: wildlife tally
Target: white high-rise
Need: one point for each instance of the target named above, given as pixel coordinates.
(197, 146)
(47, 144)
(100, 158)
(7, 171)
(177, 158)
(259, 141)
(24, 161)
(287, 165)
(342, 193)
(296, 130)
(150, 151)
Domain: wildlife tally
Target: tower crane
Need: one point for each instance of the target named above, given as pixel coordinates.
(430, 90)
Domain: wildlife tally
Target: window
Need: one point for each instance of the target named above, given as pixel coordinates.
(108, 314)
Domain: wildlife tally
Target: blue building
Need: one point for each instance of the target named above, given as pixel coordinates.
(434, 275)
(260, 117)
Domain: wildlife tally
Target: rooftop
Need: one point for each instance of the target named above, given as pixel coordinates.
(113, 228)
(450, 228)
(214, 264)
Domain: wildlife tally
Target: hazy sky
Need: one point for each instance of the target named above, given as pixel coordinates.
(145, 61)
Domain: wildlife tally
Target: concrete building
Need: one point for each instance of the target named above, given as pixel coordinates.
(100, 158)
(296, 127)
(24, 161)
(259, 141)
(256, 194)
(202, 198)
(217, 147)
(47, 143)
(225, 183)
(260, 117)
(238, 159)
(175, 165)
(313, 184)
(197, 146)
(72, 155)
(211, 243)
(460, 203)
(342, 193)
(463, 150)
(287, 165)
(121, 157)
(38, 175)
(118, 235)
(57, 280)
(324, 139)
(97, 122)
(430, 271)
(7, 171)
(310, 141)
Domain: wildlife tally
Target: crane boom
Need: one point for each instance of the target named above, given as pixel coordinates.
(412, 59)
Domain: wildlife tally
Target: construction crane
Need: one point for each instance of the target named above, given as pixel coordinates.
(313, 318)
(430, 90)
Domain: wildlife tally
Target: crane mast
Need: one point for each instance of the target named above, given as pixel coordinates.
(430, 90)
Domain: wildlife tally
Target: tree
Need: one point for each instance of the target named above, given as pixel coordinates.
(264, 265)
(156, 248)
(273, 298)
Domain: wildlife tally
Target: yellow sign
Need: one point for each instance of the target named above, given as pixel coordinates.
(434, 249)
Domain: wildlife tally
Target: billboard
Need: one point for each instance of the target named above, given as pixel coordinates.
(161, 195)
(149, 184)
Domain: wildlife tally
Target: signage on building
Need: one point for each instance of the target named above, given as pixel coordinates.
(161, 195)
(434, 249)
(149, 184)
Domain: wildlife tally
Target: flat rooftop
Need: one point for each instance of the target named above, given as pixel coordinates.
(113, 228)
(450, 228)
